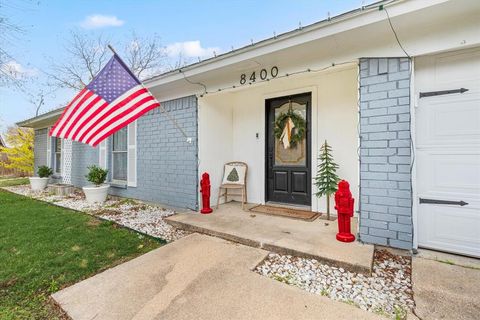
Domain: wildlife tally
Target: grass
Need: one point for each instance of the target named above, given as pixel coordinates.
(400, 313)
(44, 248)
(452, 263)
(13, 182)
(447, 261)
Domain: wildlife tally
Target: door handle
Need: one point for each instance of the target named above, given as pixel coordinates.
(434, 201)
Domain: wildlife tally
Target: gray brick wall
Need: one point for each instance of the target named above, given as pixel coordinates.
(385, 152)
(166, 163)
(82, 156)
(40, 149)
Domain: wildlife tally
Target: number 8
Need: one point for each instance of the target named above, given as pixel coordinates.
(243, 78)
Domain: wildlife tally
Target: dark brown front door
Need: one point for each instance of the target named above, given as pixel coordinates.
(288, 172)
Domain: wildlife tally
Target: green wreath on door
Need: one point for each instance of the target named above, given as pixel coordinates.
(298, 133)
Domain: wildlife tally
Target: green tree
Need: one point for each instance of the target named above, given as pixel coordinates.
(233, 176)
(326, 179)
(19, 152)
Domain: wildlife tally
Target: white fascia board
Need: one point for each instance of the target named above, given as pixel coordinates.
(297, 37)
(41, 120)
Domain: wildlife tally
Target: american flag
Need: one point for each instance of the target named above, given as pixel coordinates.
(111, 101)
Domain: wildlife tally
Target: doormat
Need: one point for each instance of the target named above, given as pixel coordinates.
(286, 212)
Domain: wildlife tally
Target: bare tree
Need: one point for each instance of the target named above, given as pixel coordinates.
(87, 55)
(11, 33)
(36, 90)
(38, 95)
(180, 62)
(145, 56)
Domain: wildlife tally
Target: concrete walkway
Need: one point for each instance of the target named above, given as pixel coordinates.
(445, 291)
(314, 239)
(197, 277)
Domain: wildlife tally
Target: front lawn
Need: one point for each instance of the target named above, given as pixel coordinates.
(44, 248)
(9, 182)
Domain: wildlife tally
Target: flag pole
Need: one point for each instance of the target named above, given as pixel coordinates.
(165, 111)
(113, 50)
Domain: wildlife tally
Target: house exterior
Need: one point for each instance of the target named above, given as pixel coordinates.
(3, 156)
(382, 84)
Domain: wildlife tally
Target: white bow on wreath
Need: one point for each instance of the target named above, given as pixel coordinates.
(287, 133)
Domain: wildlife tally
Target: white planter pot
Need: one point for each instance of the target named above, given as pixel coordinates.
(38, 184)
(96, 194)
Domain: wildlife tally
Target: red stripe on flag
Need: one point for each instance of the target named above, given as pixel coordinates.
(79, 115)
(79, 105)
(126, 122)
(113, 109)
(65, 110)
(88, 119)
(120, 115)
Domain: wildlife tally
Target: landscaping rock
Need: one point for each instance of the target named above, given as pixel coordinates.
(133, 214)
(388, 291)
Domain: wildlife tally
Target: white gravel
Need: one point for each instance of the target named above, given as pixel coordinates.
(388, 291)
(134, 214)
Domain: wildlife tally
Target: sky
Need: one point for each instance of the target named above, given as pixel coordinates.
(192, 28)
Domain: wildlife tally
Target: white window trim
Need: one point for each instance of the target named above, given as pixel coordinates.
(56, 168)
(118, 181)
(132, 154)
(102, 154)
(49, 149)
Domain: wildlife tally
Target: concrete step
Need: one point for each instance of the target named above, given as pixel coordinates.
(314, 240)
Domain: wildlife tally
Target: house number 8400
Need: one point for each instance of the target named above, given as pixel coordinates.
(263, 75)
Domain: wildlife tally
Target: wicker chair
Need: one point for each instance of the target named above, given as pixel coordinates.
(241, 186)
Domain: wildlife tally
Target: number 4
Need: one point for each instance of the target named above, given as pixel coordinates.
(252, 77)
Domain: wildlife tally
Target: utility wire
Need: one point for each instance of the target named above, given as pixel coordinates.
(191, 82)
(412, 143)
(395, 33)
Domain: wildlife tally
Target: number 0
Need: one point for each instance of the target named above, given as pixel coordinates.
(263, 74)
(274, 72)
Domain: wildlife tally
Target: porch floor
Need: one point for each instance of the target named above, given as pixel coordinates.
(314, 239)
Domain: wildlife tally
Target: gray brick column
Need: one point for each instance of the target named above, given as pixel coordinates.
(385, 152)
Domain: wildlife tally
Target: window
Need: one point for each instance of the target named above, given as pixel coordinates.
(58, 155)
(119, 154)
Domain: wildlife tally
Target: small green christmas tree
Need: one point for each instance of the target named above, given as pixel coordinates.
(233, 175)
(326, 179)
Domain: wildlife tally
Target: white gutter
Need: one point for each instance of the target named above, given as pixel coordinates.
(343, 22)
(340, 23)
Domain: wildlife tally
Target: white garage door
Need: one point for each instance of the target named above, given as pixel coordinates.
(448, 152)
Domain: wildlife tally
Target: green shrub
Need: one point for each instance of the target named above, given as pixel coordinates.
(44, 172)
(96, 175)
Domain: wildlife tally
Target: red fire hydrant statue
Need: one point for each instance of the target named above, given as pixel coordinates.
(344, 206)
(205, 191)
